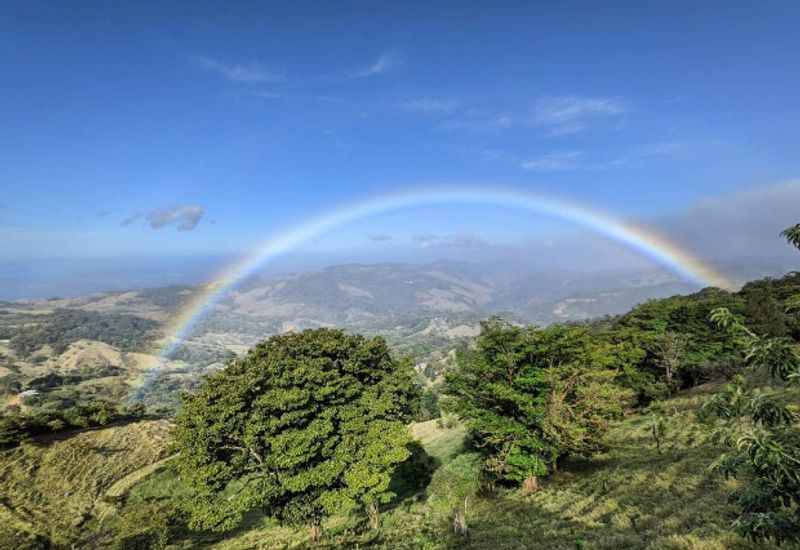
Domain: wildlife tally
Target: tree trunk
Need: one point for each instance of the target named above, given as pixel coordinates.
(374, 516)
(530, 485)
(460, 522)
(315, 533)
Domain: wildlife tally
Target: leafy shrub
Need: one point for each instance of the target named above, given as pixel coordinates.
(763, 437)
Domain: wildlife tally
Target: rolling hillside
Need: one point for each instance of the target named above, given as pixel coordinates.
(79, 489)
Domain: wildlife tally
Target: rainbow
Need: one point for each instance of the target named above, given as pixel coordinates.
(637, 238)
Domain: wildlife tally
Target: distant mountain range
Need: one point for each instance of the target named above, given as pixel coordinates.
(425, 310)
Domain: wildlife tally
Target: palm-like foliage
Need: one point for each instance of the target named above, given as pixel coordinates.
(761, 432)
(792, 234)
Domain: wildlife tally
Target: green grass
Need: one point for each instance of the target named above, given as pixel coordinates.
(630, 496)
(54, 487)
(442, 443)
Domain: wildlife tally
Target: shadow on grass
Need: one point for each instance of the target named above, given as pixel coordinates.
(412, 477)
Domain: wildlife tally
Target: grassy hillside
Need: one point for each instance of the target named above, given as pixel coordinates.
(630, 496)
(82, 488)
(54, 489)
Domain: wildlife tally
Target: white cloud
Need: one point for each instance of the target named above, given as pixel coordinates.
(571, 114)
(385, 62)
(240, 72)
(554, 162)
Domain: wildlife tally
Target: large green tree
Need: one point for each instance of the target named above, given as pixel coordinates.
(304, 425)
(532, 395)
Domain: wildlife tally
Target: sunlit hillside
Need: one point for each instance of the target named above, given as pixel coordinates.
(631, 496)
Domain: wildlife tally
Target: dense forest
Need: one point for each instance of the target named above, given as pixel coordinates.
(66, 326)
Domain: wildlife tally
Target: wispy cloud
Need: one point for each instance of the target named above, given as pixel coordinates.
(571, 114)
(379, 237)
(133, 218)
(384, 63)
(458, 240)
(554, 162)
(183, 217)
(240, 72)
(430, 105)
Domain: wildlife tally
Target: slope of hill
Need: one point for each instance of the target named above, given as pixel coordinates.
(53, 487)
(631, 496)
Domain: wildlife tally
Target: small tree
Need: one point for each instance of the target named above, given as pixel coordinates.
(671, 347)
(658, 428)
(532, 395)
(303, 426)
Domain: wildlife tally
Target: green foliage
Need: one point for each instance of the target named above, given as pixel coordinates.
(303, 426)
(147, 526)
(792, 235)
(429, 405)
(679, 346)
(763, 436)
(658, 428)
(66, 326)
(532, 395)
(764, 314)
(17, 427)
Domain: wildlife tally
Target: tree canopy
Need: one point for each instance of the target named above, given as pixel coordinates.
(531, 395)
(304, 425)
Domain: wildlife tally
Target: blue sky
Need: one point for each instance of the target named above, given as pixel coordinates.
(197, 128)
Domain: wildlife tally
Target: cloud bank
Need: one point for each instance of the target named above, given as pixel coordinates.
(746, 224)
